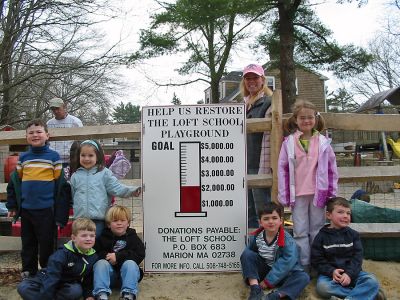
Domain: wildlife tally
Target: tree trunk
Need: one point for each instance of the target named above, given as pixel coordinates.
(6, 48)
(214, 91)
(287, 65)
(5, 66)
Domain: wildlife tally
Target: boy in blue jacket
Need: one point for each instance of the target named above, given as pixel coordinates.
(337, 256)
(69, 274)
(271, 259)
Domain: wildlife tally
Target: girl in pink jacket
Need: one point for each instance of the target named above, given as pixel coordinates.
(307, 175)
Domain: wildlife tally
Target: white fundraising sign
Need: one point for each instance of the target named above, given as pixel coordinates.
(194, 188)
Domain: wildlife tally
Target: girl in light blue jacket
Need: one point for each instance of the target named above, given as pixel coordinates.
(93, 185)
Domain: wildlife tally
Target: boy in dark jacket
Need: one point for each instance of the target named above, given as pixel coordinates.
(337, 256)
(68, 275)
(120, 251)
(36, 194)
(271, 259)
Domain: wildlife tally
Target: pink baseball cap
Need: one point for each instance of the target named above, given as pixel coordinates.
(253, 68)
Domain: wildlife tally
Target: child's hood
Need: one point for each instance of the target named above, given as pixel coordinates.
(281, 235)
(70, 246)
(330, 230)
(92, 170)
(109, 234)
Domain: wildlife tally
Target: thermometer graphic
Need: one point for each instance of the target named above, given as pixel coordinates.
(190, 189)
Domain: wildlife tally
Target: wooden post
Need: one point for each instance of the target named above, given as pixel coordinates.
(276, 140)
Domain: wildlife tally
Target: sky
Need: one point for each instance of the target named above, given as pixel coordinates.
(349, 24)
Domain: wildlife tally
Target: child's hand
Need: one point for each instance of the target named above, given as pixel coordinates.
(337, 275)
(345, 281)
(11, 213)
(137, 192)
(90, 298)
(110, 257)
(263, 285)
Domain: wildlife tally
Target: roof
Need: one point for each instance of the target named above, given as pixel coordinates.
(233, 76)
(231, 96)
(236, 76)
(391, 95)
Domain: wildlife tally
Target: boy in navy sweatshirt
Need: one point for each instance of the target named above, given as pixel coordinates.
(337, 256)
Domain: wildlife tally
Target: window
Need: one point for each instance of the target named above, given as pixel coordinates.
(207, 96)
(270, 82)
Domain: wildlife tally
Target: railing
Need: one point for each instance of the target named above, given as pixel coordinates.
(344, 121)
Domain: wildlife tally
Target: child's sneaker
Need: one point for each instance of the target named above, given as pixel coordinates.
(128, 296)
(272, 296)
(381, 295)
(102, 296)
(256, 292)
(25, 275)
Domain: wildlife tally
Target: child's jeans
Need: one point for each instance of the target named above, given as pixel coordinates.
(29, 289)
(100, 225)
(366, 287)
(254, 266)
(106, 276)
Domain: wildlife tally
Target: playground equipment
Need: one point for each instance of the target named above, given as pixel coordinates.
(395, 146)
(393, 97)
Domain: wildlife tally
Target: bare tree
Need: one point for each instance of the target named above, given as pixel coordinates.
(49, 48)
(384, 72)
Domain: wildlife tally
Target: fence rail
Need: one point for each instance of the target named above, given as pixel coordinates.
(343, 121)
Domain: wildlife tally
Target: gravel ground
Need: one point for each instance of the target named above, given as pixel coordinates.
(205, 286)
(10, 268)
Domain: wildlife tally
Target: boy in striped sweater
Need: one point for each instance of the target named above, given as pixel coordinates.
(31, 195)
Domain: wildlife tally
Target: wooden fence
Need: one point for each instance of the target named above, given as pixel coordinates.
(343, 121)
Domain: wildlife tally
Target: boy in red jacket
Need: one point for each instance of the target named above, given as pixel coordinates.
(271, 259)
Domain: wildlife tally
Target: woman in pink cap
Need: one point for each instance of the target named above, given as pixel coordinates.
(257, 97)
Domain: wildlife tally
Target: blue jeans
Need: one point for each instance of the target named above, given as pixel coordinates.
(100, 225)
(106, 276)
(254, 267)
(366, 287)
(29, 289)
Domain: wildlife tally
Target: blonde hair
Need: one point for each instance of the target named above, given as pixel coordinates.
(291, 125)
(245, 92)
(83, 224)
(118, 212)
